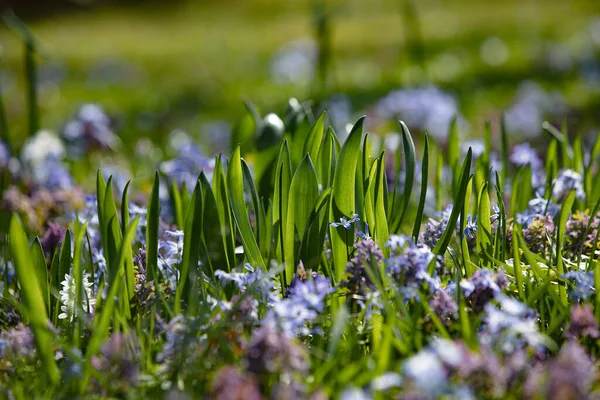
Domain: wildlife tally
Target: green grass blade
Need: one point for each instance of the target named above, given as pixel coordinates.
(484, 226)
(33, 299)
(103, 316)
(440, 247)
(423, 195)
(222, 200)
(563, 216)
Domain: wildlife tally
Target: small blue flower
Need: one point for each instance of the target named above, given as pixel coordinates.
(583, 284)
(471, 228)
(344, 222)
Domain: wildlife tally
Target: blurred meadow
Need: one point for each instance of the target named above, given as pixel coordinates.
(159, 66)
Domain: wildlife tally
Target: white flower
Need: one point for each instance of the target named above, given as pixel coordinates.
(67, 296)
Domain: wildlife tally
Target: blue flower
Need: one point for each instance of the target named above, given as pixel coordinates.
(583, 284)
(471, 227)
(344, 222)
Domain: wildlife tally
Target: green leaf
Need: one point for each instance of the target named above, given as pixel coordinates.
(261, 226)
(39, 263)
(283, 179)
(326, 160)
(484, 226)
(377, 214)
(304, 191)
(222, 200)
(563, 216)
(424, 185)
(311, 247)
(191, 239)
(177, 205)
(214, 256)
(440, 247)
(103, 316)
(152, 224)
(235, 185)
(343, 197)
(33, 299)
(313, 141)
(410, 166)
(125, 208)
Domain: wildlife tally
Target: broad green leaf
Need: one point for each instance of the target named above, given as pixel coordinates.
(177, 205)
(343, 198)
(191, 240)
(214, 256)
(33, 299)
(39, 263)
(152, 223)
(235, 185)
(260, 221)
(326, 160)
(283, 179)
(484, 226)
(380, 229)
(304, 192)
(410, 167)
(313, 141)
(311, 247)
(222, 200)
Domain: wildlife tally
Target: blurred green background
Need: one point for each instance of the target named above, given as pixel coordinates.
(157, 66)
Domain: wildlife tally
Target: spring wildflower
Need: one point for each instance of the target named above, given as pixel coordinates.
(471, 228)
(345, 222)
(583, 323)
(568, 180)
(69, 306)
(583, 284)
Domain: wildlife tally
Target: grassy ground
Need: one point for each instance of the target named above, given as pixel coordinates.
(180, 65)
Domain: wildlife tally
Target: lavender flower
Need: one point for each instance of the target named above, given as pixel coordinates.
(511, 327)
(537, 207)
(583, 323)
(583, 284)
(368, 255)
(435, 228)
(410, 270)
(524, 154)
(482, 287)
(569, 375)
(186, 168)
(427, 109)
(397, 242)
(565, 181)
(444, 306)
(89, 129)
(229, 383)
(257, 281)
